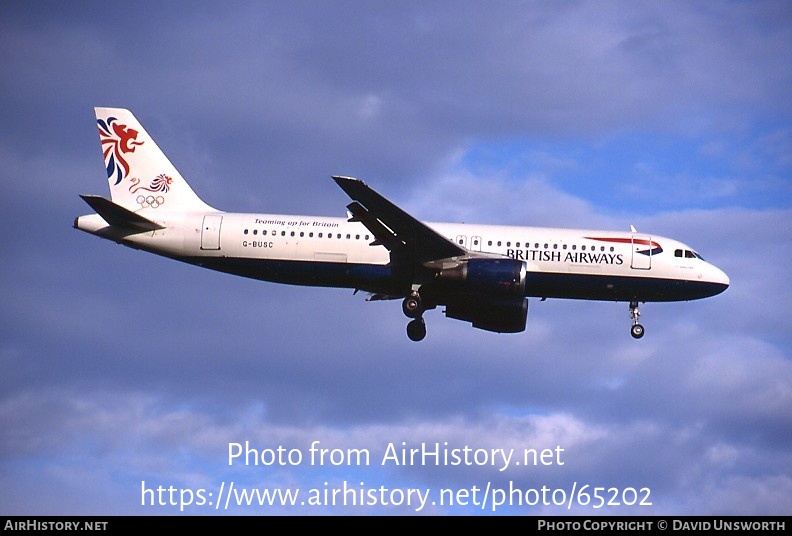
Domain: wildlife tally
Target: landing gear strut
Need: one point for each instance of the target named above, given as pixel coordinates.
(413, 307)
(637, 330)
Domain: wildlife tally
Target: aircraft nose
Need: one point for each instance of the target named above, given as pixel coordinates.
(719, 278)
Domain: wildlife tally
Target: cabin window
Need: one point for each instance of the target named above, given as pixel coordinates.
(357, 237)
(574, 247)
(499, 242)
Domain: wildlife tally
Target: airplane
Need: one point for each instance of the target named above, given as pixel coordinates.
(481, 274)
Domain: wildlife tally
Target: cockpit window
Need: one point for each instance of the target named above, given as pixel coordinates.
(688, 254)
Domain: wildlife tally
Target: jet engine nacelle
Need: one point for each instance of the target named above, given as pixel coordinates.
(501, 315)
(491, 294)
(488, 277)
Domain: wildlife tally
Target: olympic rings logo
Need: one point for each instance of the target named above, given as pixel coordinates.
(150, 201)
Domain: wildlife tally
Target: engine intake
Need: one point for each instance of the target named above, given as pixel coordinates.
(489, 277)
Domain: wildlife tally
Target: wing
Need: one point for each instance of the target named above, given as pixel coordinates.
(393, 228)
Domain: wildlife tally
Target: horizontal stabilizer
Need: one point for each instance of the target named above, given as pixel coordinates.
(118, 216)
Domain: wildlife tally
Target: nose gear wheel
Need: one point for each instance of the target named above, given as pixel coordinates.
(636, 330)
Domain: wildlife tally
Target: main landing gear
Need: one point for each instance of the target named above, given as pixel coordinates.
(413, 307)
(637, 330)
(416, 329)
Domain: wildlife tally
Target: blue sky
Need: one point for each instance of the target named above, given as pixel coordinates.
(121, 367)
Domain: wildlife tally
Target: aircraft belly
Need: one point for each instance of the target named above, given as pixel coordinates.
(367, 277)
(615, 287)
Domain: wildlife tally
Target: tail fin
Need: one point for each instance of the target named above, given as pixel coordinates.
(141, 176)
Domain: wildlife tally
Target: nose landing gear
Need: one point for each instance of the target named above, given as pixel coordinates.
(637, 330)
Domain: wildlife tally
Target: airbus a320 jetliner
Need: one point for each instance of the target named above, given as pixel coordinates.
(482, 274)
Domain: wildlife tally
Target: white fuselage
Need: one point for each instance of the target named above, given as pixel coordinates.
(564, 263)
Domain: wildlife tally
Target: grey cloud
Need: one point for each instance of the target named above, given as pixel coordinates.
(122, 366)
